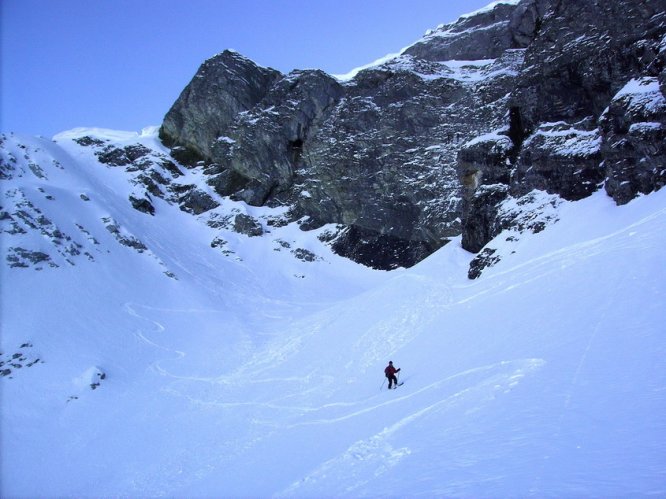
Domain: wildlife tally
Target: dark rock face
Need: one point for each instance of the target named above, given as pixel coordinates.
(376, 154)
(224, 86)
(245, 224)
(560, 158)
(379, 252)
(383, 161)
(485, 224)
(484, 259)
(195, 201)
(143, 205)
(634, 128)
(515, 98)
(584, 54)
(581, 114)
(257, 156)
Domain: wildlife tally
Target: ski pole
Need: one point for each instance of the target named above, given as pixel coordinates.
(382, 387)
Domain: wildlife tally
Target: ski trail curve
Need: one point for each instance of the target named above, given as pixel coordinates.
(157, 328)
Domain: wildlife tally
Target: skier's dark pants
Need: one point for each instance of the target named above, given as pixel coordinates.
(392, 379)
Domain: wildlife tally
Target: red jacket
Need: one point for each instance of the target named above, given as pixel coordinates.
(390, 370)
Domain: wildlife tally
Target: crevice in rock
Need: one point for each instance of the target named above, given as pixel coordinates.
(296, 151)
(516, 132)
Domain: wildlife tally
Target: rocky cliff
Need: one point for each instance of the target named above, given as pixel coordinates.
(560, 96)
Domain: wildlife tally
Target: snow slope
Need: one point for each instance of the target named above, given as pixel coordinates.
(253, 373)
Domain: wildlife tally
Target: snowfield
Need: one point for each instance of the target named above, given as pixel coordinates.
(186, 371)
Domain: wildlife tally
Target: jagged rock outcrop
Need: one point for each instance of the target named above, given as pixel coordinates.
(245, 224)
(257, 157)
(560, 157)
(634, 129)
(223, 87)
(521, 96)
(484, 35)
(584, 54)
(375, 155)
(152, 175)
(587, 111)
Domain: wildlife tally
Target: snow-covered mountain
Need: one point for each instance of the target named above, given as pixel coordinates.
(164, 336)
(561, 96)
(139, 359)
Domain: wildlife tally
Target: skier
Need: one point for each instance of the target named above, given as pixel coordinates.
(390, 374)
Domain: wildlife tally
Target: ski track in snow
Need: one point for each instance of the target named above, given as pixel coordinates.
(384, 338)
(130, 308)
(372, 457)
(298, 415)
(366, 459)
(509, 380)
(571, 391)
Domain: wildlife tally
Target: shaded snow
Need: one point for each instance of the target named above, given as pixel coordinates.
(258, 374)
(501, 141)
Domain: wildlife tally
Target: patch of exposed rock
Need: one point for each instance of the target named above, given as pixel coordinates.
(587, 111)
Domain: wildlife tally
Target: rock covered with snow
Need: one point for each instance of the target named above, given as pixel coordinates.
(486, 33)
(422, 146)
(634, 128)
(561, 158)
(89, 194)
(376, 154)
(587, 111)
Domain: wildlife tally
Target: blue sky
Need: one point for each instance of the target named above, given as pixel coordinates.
(121, 63)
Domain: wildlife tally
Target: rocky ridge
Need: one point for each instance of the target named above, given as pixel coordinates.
(589, 77)
(552, 95)
(91, 193)
(484, 125)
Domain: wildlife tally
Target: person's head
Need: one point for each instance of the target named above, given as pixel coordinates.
(390, 362)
